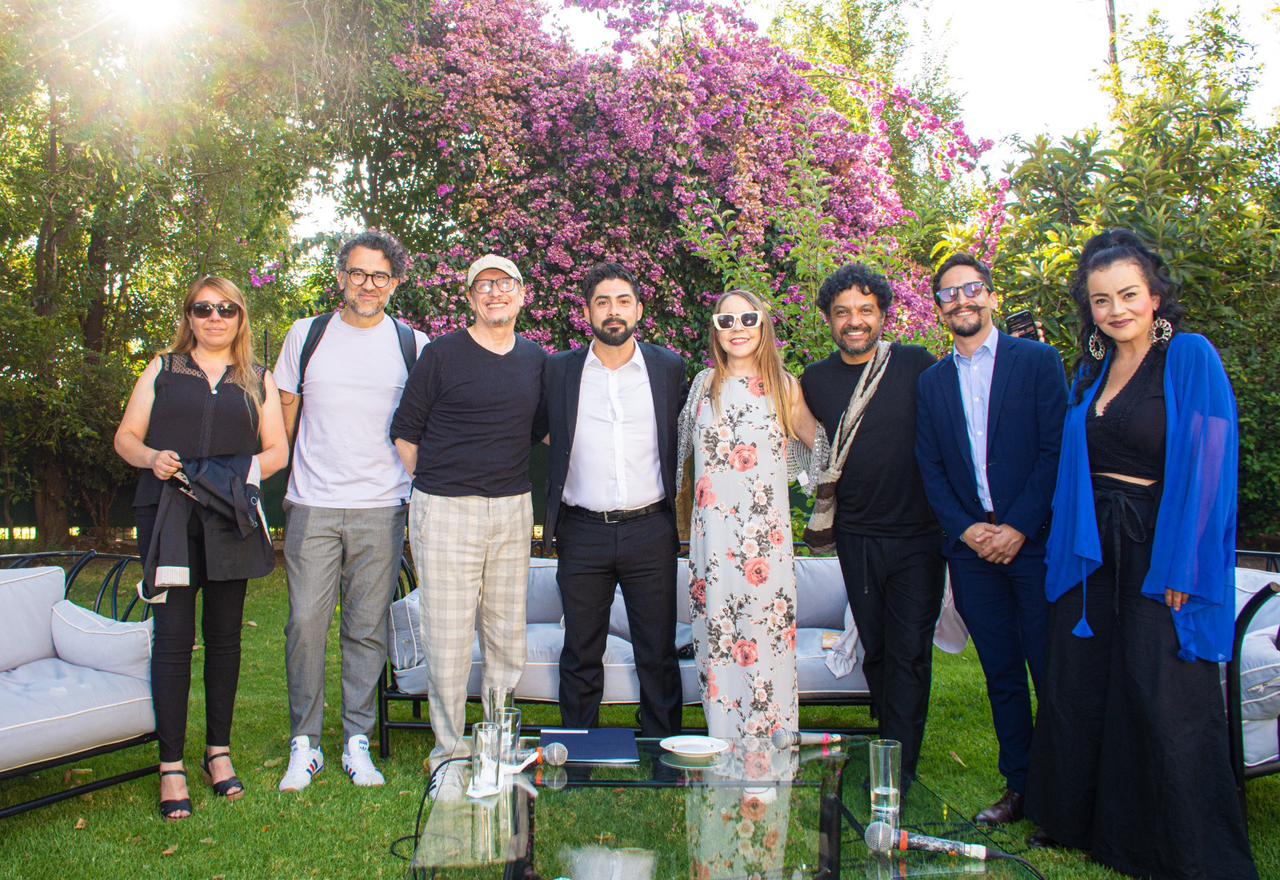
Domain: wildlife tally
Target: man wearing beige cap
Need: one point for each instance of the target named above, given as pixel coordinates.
(464, 428)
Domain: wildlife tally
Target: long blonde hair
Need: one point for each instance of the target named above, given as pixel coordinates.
(768, 363)
(242, 363)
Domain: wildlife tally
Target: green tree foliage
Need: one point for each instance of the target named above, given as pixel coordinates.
(1186, 169)
(128, 167)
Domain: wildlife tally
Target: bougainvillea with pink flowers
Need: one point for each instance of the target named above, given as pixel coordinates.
(685, 136)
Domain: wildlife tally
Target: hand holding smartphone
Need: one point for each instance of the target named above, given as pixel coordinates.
(1022, 324)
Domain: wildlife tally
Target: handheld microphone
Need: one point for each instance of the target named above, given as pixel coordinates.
(785, 739)
(552, 776)
(881, 838)
(553, 754)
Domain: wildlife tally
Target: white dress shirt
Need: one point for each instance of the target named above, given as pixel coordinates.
(614, 462)
(975, 374)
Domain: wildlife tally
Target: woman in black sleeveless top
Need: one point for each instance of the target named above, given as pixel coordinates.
(205, 397)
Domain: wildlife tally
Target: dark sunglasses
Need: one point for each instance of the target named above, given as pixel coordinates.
(951, 294)
(727, 320)
(204, 310)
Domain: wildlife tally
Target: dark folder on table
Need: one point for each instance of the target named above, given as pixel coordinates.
(597, 745)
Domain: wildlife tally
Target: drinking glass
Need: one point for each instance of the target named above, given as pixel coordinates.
(508, 721)
(486, 738)
(886, 769)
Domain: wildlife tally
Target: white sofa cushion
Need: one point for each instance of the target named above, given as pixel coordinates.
(87, 639)
(1260, 675)
(26, 595)
(53, 709)
(1261, 742)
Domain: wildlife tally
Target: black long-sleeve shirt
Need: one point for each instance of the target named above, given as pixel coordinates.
(472, 414)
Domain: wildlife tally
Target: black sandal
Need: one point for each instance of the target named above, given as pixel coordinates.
(232, 789)
(168, 808)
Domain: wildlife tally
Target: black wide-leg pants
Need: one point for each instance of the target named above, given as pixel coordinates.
(1130, 757)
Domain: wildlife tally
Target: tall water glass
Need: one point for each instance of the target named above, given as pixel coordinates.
(486, 773)
(496, 698)
(508, 721)
(886, 770)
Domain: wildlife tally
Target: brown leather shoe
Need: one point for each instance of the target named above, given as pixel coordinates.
(1041, 840)
(1007, 809)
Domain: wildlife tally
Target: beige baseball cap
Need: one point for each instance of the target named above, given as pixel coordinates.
(493, 261)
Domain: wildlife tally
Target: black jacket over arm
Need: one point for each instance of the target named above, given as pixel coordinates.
(561, 383)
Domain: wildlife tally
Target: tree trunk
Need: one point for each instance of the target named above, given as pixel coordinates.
(1113, 58)
(52, 516)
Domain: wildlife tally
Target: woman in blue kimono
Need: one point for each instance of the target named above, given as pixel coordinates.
(1130, 759)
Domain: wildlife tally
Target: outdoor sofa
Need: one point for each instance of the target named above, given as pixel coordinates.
(829, 659)
(74, 683)
(1252, 677)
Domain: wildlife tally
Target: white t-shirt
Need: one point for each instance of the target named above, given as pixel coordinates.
(343, 456)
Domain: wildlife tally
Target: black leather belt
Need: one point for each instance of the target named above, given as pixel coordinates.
(617, 516)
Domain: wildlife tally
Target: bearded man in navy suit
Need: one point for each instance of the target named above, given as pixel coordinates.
(988, 429)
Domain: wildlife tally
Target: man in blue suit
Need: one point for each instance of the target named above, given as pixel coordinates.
(988, 429)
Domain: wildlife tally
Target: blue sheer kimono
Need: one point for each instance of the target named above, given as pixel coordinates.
(1194, 545)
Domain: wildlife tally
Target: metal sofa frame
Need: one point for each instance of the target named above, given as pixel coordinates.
(1235, 720)
(108, 598)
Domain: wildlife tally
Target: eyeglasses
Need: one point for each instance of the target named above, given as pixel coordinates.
(729, 320)
(503, 285)
(204, 310)
(951, 294)
(359, 276)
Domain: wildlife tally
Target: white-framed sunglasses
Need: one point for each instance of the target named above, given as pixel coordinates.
(729, 320)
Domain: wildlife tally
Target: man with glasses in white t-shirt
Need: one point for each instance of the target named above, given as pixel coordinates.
(347, 502)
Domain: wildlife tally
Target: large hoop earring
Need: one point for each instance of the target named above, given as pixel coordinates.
(1097, 348)
(1161, 331)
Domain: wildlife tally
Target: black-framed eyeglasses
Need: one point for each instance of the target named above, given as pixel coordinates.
(728, 320)
(951, 294)
(204, 310)
(359, 276)
(486, 285)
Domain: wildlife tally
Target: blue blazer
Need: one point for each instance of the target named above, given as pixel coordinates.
(1024, 432)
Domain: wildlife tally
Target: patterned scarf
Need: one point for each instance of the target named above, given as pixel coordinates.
(820, 534)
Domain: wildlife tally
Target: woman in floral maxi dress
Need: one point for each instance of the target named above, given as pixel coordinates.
(741, 423)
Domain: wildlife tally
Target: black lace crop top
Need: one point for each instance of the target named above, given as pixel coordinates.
(1128, 437)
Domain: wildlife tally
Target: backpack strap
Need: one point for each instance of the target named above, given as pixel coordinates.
(314, 332)
(408, 344)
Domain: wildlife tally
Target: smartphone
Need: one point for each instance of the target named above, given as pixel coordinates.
(1022, 324)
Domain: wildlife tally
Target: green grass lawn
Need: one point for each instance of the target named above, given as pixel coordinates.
(335, 830)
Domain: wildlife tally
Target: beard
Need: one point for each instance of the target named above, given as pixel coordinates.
(854, 349)
(965, 330)
(613, 337)
(353, 303)
(499, 321)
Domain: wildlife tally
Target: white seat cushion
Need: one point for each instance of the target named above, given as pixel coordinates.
(26, 597)
(84, 638)
(1261, 742)
(50, 709)
(1260, 675)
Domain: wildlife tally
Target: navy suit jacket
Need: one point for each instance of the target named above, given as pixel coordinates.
(1024, 433)
(561, 384)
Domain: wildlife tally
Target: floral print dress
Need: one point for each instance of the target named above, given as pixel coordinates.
(741, 575)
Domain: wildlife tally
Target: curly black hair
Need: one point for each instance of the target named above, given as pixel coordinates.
(855, 275)
(376, 240)
(1102, 251)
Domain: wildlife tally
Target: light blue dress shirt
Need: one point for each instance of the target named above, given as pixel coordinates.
(975, 393)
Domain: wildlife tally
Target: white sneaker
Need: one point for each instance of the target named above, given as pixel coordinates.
(358, 764)
(304, 763)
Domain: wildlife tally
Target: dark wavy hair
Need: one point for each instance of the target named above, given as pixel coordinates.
(855, 275)
(376, 240)
(605, 272)
(1101, 252)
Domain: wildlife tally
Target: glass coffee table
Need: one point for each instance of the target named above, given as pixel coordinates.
(755, 812)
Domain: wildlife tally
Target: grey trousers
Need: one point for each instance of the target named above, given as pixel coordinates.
(331, 553)
(472, 555)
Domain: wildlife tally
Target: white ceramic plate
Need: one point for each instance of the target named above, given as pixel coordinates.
(693, 747)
